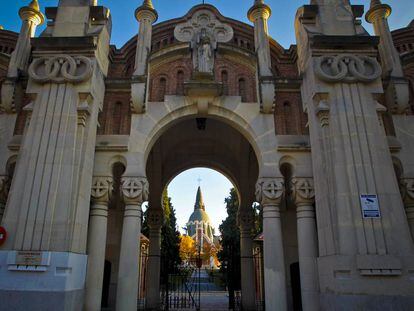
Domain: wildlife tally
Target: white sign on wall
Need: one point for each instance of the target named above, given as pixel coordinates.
(370, 206)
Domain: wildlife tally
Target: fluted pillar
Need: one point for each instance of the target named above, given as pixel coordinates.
(155, 221)
(259, 14)
(98, 222)
(304, 195)
(397, 91)
(246, 223)
(146, 15)
(269, 193)
(135, 192)
(19, 61)
(407, 191)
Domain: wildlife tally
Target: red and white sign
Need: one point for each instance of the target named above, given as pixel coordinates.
(3, 235)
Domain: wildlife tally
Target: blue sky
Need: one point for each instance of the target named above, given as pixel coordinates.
(280, 25)
(215, 186)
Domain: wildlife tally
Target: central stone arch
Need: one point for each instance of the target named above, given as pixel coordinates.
(233, 138)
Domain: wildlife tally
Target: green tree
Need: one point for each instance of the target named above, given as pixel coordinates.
(229, 255)
(170, 237)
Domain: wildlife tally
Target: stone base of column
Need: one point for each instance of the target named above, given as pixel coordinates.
(330, 302)
(58, 284)
(366, 282)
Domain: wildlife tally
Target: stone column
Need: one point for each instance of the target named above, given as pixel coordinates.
(304, 195)
(4, 192)
(98, 220)
(155, 221)
(246, 223)
(397, 91)
(269, 192)
(146, 15)
(135, 192)
(407, 191)
(31, 18)
(258, 14)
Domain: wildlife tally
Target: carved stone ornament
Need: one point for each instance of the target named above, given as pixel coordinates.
(203, 31)
(270, 190)
(303, 190)
(407, 190)
(61, 69)
(155, 218)
(101, 189)
(135, 189)
(245, 219)
(347, 68)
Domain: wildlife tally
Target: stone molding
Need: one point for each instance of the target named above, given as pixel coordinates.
(346, 68)
(270, 190)
(61, 69)
(303, 191)
(101, 189)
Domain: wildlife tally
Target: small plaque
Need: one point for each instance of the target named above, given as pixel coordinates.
(370, 206)
(27, 258)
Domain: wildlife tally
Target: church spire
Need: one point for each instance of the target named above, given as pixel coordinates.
(199, 204)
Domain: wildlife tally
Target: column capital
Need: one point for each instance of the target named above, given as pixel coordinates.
(303, 191)
(377, 11)
(135, 190)
(155, 218)
(269, 190)
(101, 189)
(259, 10)
(32, 13)
(245, 219)
(146, 11)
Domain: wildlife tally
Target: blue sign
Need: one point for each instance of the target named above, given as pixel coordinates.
(370, 206)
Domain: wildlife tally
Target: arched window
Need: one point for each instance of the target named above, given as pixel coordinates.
(180, 82)
(225, 81)
(242, 89)
(162, 89)
(117, 118)
(288, 118)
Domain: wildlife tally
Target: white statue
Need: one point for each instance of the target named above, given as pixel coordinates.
(203, 56)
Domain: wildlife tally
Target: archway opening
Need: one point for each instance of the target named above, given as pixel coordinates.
(200, 143)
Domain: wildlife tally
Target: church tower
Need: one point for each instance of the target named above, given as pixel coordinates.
(199, 225)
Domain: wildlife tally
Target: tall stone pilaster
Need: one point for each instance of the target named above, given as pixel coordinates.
(304, 196)
(397, 89)
(48, 208)
(146, 15)
(341, 80)
(269, 193)
(246, 225)
(155, 222)
(98, 224)
(259, 14)
(134, 191)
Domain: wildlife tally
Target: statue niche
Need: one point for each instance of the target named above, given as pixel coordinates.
(203, 31)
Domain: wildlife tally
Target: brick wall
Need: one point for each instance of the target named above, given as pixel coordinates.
(115, 117)
(289, 116)
(168, 79)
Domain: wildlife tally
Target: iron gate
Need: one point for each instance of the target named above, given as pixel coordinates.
(181, 286)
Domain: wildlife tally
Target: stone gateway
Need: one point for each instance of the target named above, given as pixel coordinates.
(89, 132)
